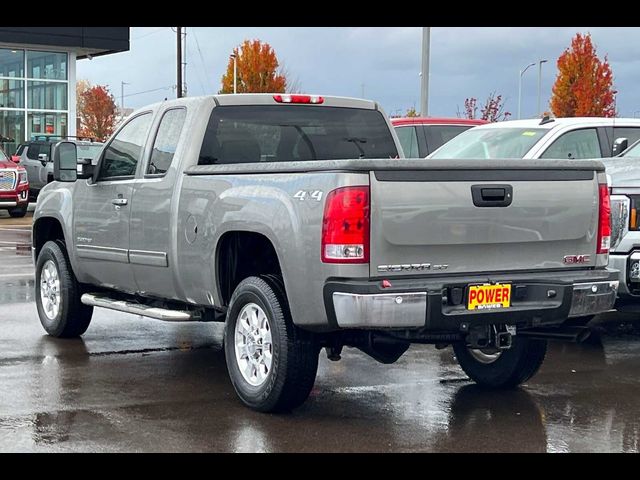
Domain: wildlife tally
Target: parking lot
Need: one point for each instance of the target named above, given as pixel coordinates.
(134, 384)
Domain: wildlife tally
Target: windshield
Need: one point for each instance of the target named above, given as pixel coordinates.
(634, 151)
(486, 143)
(2, 155)
(89, 151)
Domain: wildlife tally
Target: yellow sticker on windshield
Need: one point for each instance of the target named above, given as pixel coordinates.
(528, 134)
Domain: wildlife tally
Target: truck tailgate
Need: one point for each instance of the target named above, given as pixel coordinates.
(427, 222)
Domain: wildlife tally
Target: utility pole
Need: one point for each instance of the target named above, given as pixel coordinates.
(424, 79)
(122, 84)
(179, 71)
(184, 65)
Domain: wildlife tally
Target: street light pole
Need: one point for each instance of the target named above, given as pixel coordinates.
(540, 62)
(520, 87)
(235, 72)
(424, 79)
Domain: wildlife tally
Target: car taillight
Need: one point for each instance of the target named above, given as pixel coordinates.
(345, 226)
(298, 99)
(604, 221)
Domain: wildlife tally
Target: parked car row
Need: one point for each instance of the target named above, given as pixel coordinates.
(35, 157)
(14, 187)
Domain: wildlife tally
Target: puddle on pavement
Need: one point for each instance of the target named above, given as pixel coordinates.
(16, 291)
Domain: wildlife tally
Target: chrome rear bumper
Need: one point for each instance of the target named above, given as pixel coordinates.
(593, 298)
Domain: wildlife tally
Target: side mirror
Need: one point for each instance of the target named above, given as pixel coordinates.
(43, 158)
(619, 146)
(15, 158)
(65, 162)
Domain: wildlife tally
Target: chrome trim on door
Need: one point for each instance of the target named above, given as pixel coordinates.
(146, 257)
(110, 254)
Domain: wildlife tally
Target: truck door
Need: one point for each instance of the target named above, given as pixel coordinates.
(151, 240)
(102, 209)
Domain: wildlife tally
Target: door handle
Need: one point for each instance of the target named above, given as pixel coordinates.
(492, 195)
(119, 202)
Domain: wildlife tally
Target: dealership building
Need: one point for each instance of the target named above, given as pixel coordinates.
(38, 77)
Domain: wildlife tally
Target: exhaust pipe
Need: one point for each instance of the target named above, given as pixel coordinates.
(565, 334)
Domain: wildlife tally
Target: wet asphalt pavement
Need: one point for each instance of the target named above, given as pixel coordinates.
(138, 385)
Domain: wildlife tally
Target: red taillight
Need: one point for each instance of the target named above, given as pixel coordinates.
(604, 221)
(345, 226)
(298, 99)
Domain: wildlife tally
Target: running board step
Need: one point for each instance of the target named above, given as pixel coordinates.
(139, 309)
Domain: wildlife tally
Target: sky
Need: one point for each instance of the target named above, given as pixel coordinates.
(382, 62)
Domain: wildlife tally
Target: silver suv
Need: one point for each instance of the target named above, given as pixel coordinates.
(35, 157)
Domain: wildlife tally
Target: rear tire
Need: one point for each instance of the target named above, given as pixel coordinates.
(508, 369)
(18, 212)
(58, 294)
(271, 362)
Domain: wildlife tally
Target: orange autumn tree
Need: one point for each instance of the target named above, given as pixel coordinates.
(258, 70)
(584, 85)
(96, 112)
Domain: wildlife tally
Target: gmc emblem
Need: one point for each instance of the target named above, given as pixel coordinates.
(572, 259)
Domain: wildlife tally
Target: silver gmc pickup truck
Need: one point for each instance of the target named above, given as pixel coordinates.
(295, 220)
(624, 179)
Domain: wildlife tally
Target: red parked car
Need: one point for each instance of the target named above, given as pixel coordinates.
(420, 136)
(14, 186)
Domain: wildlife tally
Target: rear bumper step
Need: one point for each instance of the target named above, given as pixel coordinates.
(167, 315)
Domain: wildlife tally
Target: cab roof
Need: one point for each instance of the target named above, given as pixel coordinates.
(566, 121)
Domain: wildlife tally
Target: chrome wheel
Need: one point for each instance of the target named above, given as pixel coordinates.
(50, 289)
(253, 344)
(484, 356)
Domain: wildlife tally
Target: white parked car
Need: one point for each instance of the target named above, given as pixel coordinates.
(562, 138)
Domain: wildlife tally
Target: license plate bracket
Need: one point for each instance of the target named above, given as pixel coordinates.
(489, 296)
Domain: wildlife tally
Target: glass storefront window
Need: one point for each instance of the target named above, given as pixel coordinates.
(47, 65)
(11, 63)
(11, 93)
(47, 95)
(46, 124)
(33, 95)
(11, 130)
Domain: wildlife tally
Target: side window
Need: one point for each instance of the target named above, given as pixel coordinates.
(122, 155)
(632, 134)
(166, 142)
(577, 144)
(438, 135)
(32, 151)
(408, 140)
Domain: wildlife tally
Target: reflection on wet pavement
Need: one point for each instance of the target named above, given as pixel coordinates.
(132, 384)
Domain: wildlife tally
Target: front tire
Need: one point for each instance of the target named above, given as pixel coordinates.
(506, 368)
(18, 212)
(58, 293)
(271, 362)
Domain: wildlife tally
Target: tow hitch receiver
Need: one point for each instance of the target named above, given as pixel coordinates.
(489, 337)
(503, 340)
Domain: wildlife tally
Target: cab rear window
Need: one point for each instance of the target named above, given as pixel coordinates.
(282, 133)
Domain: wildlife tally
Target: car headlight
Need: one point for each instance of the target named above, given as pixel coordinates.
(22, 178)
